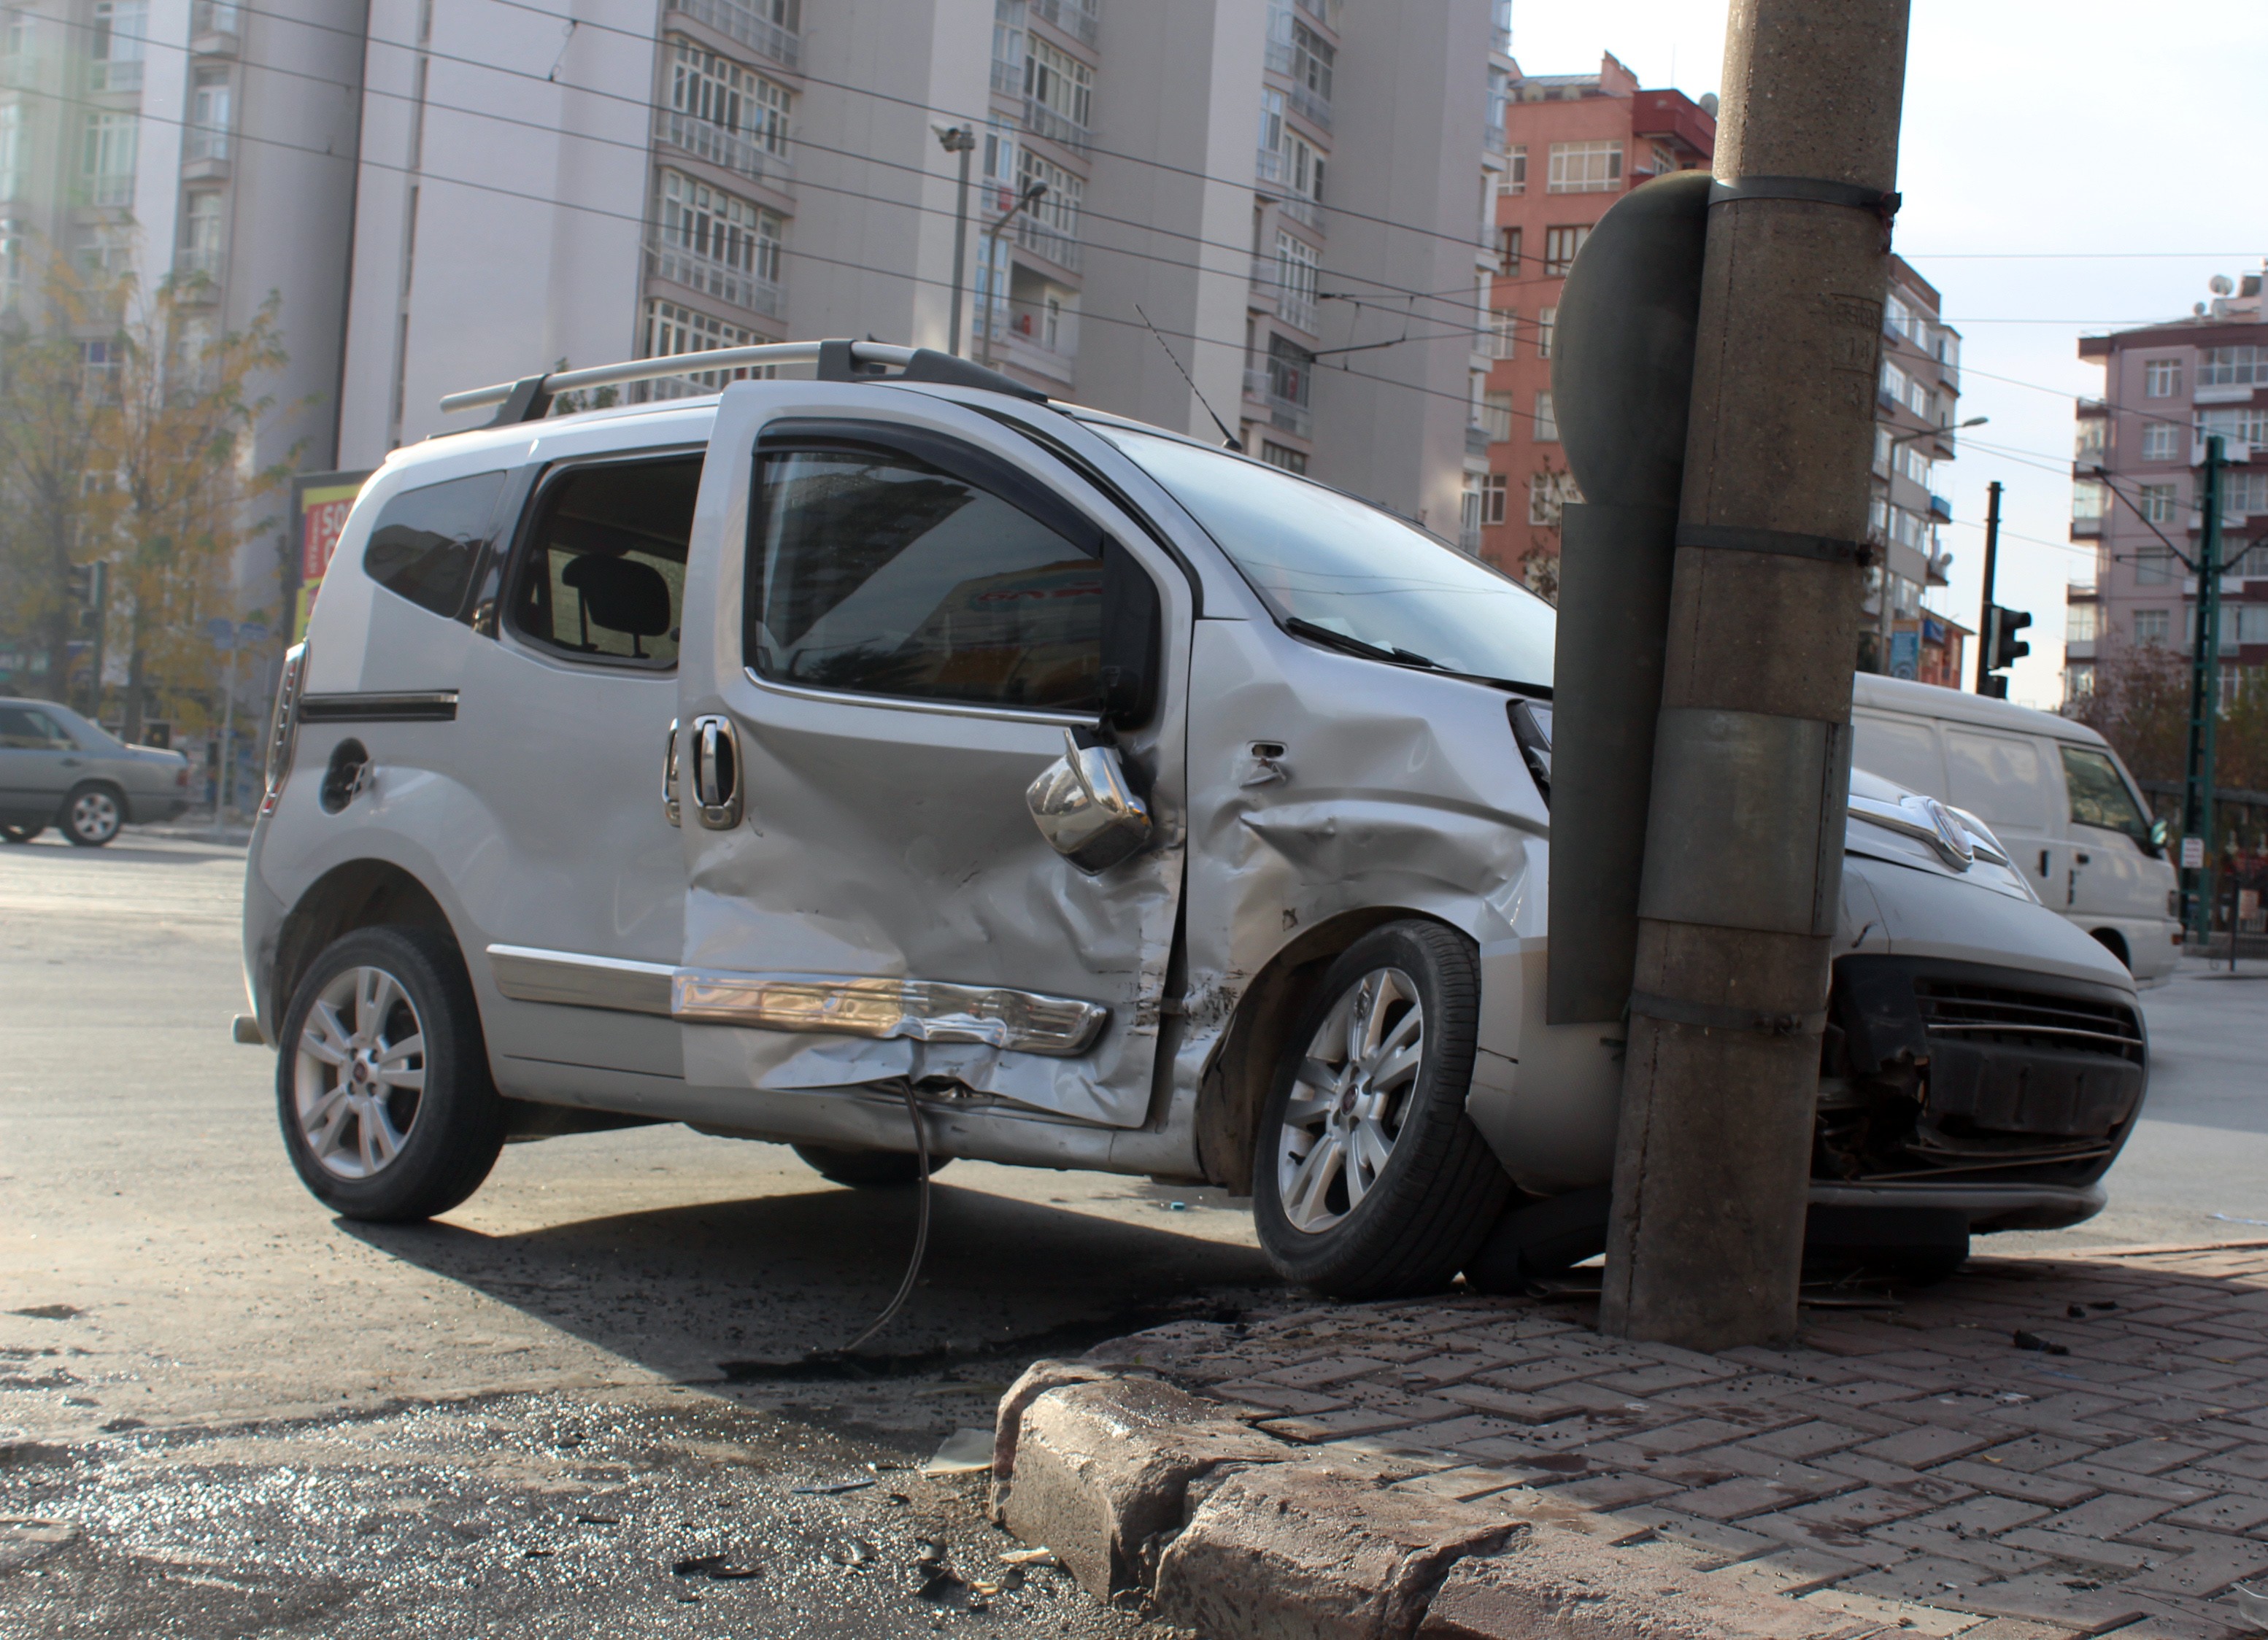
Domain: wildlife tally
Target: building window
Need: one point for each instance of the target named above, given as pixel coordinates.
(2243, 494)
(1058, 82)
(107, 159)
(725, 113)
(1282, 455)
(1547, 494)
(1894, 383)
(1515, 171)
(2157, 502)
(719, 243)
(2161, 379)
(1504, 334)
(1290, 372)
(1897, 317)
(2233, 367)
(202, 236)
(1546, 421)
(671, 329)
(1492, 495)
(1286, 158)
(2238, 425)
(1662, 160)
(1559, 248)
(2151, 626)
(11, 150)
(1507, 251)
(207, 137)
(2154, 566)
(2079, 623)
(1586, 167)
(1496, 415)
(1547, 321)
(2161, 442)
(1297, 275)
(1049, 226)
(2251, 564)
(115, 47)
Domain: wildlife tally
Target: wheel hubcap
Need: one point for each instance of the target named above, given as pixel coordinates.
(1349, 1100)
(94, 815)
(360, 1078)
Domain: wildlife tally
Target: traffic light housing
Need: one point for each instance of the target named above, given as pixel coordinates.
(2003, 648)
(85, 584)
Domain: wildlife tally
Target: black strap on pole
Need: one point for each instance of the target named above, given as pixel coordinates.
(1785, 543)
(1814, 191)
(1672, 1010)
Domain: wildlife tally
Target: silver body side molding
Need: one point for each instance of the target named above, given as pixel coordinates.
(928, 1010)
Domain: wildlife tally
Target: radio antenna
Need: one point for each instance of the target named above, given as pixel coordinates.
(1228, 438)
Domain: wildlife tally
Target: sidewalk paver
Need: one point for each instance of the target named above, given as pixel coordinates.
(2078, 1441)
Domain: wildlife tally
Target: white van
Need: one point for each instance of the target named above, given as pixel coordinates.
(2051, 790)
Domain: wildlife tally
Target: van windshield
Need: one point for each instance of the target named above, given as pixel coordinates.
(1331, 567)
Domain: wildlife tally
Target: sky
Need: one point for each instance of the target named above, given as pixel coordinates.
(2067, 168)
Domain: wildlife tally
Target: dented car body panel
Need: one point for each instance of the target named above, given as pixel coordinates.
(836, 891)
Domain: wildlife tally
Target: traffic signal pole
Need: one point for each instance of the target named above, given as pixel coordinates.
(1986, 636)
(2205, 706)
(1741, 883)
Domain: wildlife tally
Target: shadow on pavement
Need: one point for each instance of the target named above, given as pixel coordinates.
(682, 1290)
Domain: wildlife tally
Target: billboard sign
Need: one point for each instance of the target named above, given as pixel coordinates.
(321, 503)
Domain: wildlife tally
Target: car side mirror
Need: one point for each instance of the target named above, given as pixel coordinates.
(1084, 807)
(2157, 835)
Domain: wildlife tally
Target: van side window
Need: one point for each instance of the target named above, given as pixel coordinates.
(601, 574)
(1905, 752)
(874, 571)
(2099, 797)
(427, 541)
(1997, 778)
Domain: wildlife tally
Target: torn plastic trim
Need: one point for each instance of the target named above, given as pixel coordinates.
(926, 1010)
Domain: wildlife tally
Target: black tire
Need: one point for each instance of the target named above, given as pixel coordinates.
(867, 1170)
(454, 1127)
(13, 833)
(1439, 1190)
(91, 814)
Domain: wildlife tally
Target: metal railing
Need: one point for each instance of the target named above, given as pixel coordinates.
(1476, 440)
(1288, 416)
(721, 279)
(1042, 121)
(1007, 77)
(197, 262)
(1053, 243)
(704, 139)
(760, 33)
(112, 189)
(1315, 108)
(1296, 311)
(1299, 209)
(1075, 18)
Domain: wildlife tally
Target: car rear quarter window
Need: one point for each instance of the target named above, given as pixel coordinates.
(28, 729)
(1998, 777)
(600, 575)
(427, 541)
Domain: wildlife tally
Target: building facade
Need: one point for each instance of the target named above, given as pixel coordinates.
(2137, 488)
(1278, 188)
(1573, 144)
(1916, 404)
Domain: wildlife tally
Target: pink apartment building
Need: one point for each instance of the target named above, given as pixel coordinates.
(2137, 475)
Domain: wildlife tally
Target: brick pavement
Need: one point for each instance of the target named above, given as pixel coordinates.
(2116, 1480)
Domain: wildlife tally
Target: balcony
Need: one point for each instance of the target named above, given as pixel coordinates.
(1476, 440)
(1075, 18)
(1675, 115)
(2235, 393)
(727, 149)
(1256, 385)
(1940, 509)
(740, 286)
(110, 188)
(1052, 243)
(197, 272)
(742, 23)
(2086, 529)
(1042, 120)
(1286, 416)
(1302, 211)
(204, 142)
(1007, 77)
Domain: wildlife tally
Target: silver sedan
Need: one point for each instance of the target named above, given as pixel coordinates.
(56, 768)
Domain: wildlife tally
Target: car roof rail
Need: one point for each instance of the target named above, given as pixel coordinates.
(529, 399)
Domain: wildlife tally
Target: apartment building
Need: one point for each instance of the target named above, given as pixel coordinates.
(2136, 487)
(1573, 144)
(1267, 184)
(202, 142)
(1916, 403)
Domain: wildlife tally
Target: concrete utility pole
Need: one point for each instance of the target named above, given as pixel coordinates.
(1743, 879)
(1985, 633)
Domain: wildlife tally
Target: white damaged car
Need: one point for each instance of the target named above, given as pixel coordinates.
(832, 755)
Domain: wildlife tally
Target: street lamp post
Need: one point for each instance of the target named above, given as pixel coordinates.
(1882, 622)
(961, 140)
(1031, 197)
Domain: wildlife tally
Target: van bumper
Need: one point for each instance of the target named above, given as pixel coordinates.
(1988, 1207)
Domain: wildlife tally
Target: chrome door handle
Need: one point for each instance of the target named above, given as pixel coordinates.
(670, 803)
(71, 762)
(717, 772)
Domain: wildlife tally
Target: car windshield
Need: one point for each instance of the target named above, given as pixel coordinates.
(1333, 568)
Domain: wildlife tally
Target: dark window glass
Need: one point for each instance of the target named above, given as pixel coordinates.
(2099, 797)
(872, 572)
(603, 574)
(25, 730)
(427, 541)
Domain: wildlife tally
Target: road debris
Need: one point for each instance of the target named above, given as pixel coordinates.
(963, 1452)
(2046, 1347)
(833, 1488)
(717, 1568)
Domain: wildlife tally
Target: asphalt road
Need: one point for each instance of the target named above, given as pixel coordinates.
(250, 1417)
(238, 1415)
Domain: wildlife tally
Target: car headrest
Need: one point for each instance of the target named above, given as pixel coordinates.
(620, 595)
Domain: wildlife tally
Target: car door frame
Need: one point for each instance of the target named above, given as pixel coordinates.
(714, 678)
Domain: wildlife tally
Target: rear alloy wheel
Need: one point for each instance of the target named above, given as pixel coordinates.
(382, 1085)
(92, 816)
(868, 1170)
(1369, 1180)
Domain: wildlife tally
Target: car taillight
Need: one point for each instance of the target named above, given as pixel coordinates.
(283, 728)
(181, 776)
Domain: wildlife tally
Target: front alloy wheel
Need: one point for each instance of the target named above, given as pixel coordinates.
(1369, 1180)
